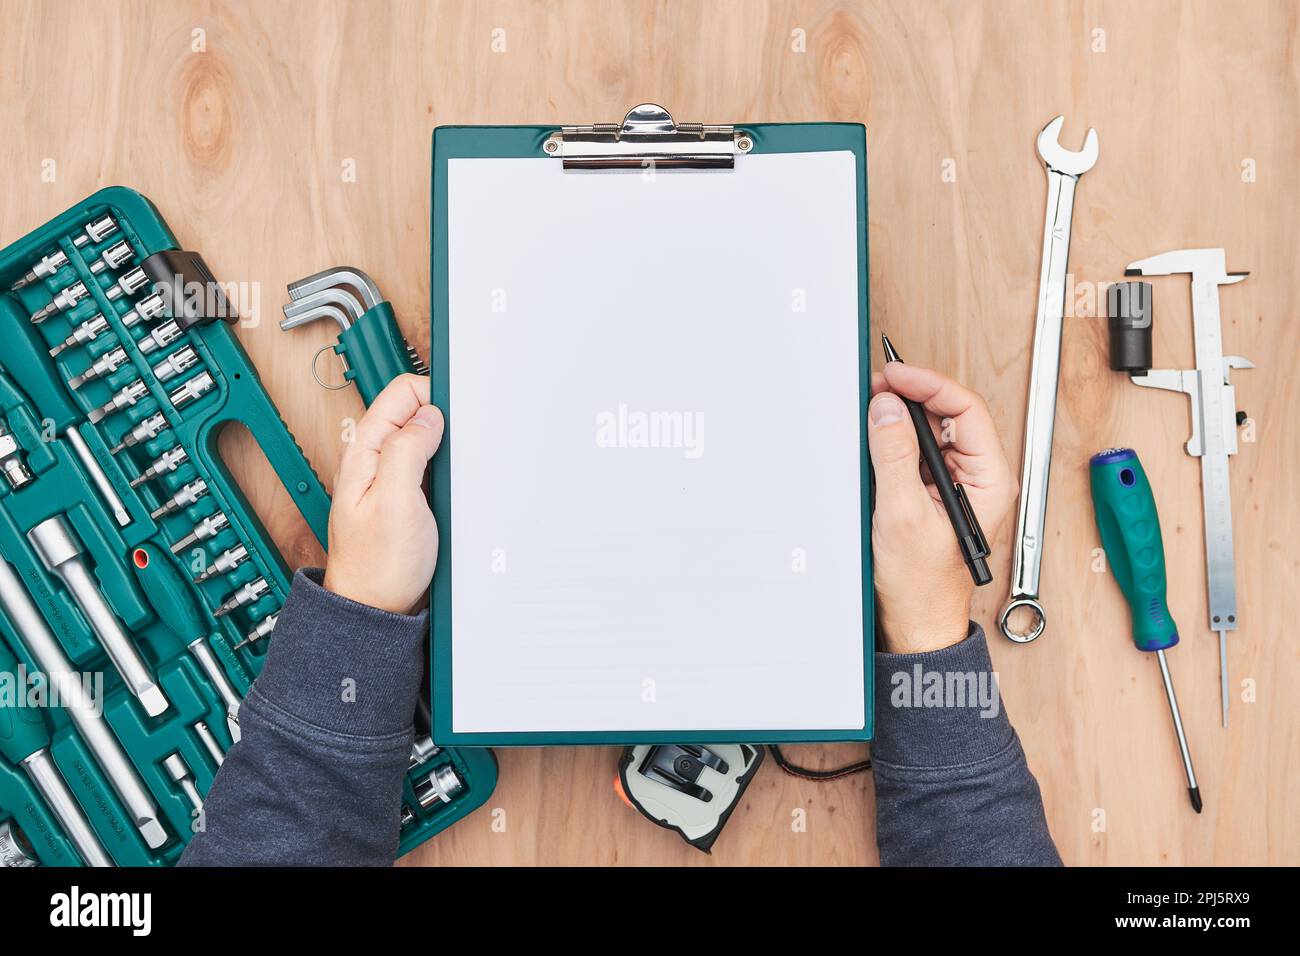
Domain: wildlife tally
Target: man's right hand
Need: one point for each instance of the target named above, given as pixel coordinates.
(923, 587)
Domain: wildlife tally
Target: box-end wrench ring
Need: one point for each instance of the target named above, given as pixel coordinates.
(1015, 604)
(1064, 167)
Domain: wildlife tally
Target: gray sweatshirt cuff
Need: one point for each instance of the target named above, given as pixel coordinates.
(342, 666)
(941, 708)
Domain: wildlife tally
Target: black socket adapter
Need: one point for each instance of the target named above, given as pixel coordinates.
(190, 292)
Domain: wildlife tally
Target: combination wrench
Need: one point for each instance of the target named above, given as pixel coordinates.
(1064, 167)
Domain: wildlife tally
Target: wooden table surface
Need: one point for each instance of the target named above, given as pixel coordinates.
(282, 138)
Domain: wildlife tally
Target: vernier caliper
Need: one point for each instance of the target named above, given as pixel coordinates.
(1214, 423)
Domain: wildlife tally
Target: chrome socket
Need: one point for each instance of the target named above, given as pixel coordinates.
(96, 232)
(116, 256)
(129, 284)
(145, 310)
(164, 335)
(11, 459)
(176, 363)
(192, 390)
(441, 786)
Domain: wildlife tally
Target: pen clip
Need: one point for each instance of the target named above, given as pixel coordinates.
(981, 543)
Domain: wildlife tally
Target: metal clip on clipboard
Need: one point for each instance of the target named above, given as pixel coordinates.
(648, 137)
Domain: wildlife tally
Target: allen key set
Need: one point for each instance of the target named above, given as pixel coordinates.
(137, 585)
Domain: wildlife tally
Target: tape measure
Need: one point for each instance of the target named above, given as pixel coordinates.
(689, 788)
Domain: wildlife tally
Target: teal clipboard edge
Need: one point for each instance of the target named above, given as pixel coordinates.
(509, 142)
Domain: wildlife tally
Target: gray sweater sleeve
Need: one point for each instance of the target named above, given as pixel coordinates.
(326, 739)
(952, 785)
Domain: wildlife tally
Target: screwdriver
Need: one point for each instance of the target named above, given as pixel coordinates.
(1130, 533)
(24, 742)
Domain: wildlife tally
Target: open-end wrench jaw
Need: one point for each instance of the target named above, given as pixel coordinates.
(1063, 160)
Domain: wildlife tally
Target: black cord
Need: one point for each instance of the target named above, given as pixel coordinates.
(794, 770)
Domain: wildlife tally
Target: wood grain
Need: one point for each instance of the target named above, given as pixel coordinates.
(244, 146)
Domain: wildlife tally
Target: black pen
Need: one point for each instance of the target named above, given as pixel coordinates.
(974, 549)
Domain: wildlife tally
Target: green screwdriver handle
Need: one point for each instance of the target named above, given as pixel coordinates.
(1130, 532)
(22, 728)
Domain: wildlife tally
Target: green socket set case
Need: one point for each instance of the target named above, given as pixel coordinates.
(137, 585)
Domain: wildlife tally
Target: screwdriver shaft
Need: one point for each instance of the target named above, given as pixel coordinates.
(1192, 789)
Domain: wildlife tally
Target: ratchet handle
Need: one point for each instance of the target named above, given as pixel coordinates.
(1130, 533)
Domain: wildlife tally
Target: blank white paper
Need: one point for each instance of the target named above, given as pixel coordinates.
(655, 451)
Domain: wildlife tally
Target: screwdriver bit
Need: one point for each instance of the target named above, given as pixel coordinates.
(145, 430)
(61, 302)
(106, 364)
(224, 563)
(124, 398)
(185, 496)
(87, 331)
(48, 265)
(209, 527)
(164, 464)
(258, 631)
(247, 594)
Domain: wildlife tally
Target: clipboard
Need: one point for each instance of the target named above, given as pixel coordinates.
(610, 158)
